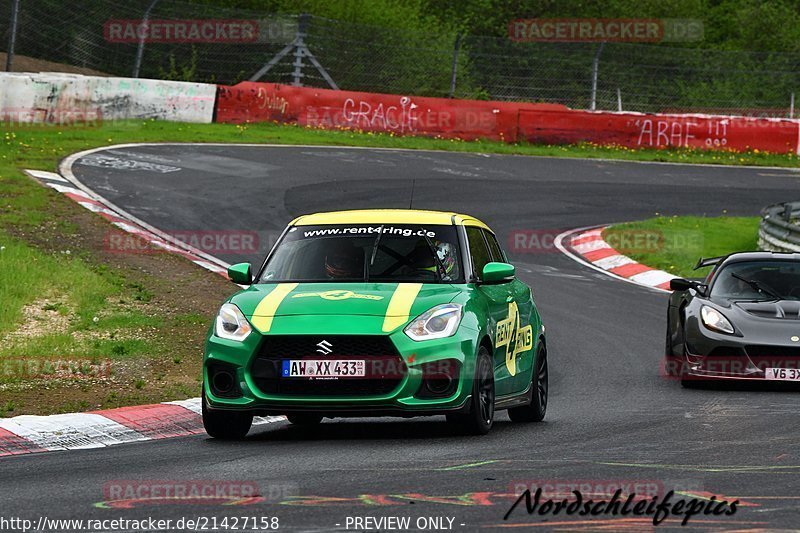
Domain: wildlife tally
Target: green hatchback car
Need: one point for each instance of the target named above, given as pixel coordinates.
(377, 313)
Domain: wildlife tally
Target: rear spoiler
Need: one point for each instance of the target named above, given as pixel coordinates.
(708, 261)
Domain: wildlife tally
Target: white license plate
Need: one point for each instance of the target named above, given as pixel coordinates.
(782, 374)
(321, 368)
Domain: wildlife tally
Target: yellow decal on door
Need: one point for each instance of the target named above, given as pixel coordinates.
(510, 332)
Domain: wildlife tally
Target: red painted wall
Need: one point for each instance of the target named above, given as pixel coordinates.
(505, 121)
(388, 113)
(635, 130)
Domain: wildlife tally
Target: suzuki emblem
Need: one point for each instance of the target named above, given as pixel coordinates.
(325, 347)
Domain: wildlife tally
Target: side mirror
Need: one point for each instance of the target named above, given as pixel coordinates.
(498, 273)
(680, 284)
(240, 274)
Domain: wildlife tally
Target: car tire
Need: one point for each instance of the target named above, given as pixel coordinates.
(535, 411)
(668, 344)
(225, 425)
(671, 363)
(480, 418)
(304, 419)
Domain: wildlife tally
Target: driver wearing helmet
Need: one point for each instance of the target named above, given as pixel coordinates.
(422, 260)
(735, 287)
(344, 262)
(446, 253)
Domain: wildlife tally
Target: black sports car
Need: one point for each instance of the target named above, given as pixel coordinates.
(742, 322)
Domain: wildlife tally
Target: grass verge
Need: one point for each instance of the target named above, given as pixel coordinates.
(83, 328)
(674, 244)
(44, 141)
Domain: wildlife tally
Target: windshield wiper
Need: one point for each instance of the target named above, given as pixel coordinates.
(757, 286)
(374, 252)
(439, 265)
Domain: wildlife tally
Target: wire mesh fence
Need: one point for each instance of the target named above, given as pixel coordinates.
(201, 42)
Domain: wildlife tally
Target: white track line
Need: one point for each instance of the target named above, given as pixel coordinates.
(66, 171)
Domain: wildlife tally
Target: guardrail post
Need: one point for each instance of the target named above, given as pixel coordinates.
(12, 38)
(297, 74)
(619, 100)
(595, 68)
(454, 71)
(142, 35)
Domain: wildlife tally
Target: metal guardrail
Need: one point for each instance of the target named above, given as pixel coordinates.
(779, 230)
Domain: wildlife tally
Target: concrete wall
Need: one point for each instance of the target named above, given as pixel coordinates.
(68, 98)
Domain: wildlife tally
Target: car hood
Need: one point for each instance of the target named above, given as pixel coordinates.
(781, 309)
(391, 304)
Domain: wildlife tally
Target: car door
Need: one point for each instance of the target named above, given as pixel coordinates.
(497, 298)
(521, 347)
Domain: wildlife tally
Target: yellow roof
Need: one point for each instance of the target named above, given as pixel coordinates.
(388, 216)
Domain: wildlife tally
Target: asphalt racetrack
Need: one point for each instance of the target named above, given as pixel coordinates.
(611, 417)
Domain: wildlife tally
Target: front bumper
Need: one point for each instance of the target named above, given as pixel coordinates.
(710, 355)
(240, 359)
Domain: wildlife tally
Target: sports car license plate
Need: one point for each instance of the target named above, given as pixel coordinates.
(782, 374)
(311, 368)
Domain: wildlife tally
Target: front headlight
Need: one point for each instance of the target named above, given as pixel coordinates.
(231, 324)
(715, 321)
(436, 323)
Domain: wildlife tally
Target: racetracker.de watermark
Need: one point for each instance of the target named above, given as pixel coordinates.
(563, 488)
(731, 363)
(605, 30)
(52, 117)
(54, 368)
(626, 241)
(211, 242)
(210, 31)
(533, 241)
(130, 493)
(402, 115)
(646, 241)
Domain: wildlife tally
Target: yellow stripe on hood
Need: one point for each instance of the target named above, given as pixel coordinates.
(399, 308)
(265, 310)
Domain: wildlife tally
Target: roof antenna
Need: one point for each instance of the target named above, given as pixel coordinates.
(411, 202)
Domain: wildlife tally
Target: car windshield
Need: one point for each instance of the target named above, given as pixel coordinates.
(758, 280)
(357, 253)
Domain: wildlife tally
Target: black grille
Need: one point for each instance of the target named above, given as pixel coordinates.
(384, 368)
(764, 356)
(725, 352)
(726, 360)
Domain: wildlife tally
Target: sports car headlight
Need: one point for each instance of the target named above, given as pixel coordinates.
(436, 323)
(231, 324)
(715, 321)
